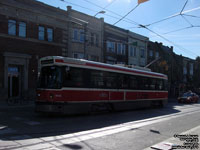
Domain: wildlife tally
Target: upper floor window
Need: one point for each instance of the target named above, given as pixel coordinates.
(191, 68)
(184, 70)
(78, 35)
(12, 27)
(82, 36)
(151, 53)
(22, 29)
(94, 39)
(142, 53)
(75, 34)
(50, 34)
(78, 55)
(110, 46)
(121, 49)
(157, 54)
(124, 49)
(41, 33)
(132, 51)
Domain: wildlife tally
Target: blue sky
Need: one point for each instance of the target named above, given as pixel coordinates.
(185, 42)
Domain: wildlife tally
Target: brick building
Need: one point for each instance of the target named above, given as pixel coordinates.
(85, 36)
(29, 30)
(137, 49)
(115, 45)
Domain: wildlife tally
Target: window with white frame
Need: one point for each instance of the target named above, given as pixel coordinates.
(22, 29)
(142, 53)
(41, 33)
(75, 34)
(82, 36)
(94, 40)
(110, 46)
(121, 49)
(132, 51)
(50, 34)
(11, 27)
(78, 35)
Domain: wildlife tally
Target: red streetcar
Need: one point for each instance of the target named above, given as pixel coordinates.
(72, 86)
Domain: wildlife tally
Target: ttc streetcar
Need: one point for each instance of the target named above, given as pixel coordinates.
(73, 86)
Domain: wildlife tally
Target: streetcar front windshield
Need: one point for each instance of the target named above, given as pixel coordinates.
(50, 77)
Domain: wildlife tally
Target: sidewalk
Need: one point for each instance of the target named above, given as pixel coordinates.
(5, 106)
(184, 140)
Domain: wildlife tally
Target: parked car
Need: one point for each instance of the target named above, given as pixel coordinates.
(188, 97)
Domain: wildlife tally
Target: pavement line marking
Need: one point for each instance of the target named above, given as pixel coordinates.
(96, 133)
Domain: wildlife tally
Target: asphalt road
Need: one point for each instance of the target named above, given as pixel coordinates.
(22, 128)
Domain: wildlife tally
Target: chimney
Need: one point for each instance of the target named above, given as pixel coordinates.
(69, 8)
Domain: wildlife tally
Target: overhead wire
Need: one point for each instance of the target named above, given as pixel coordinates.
(145, 26)
(128, 21)
(180, 47)
(191, 16)
(126, 14)
(110, 11)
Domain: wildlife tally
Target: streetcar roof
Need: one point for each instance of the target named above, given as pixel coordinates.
(59, 60)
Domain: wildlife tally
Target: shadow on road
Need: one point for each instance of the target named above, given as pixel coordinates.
(26, 124)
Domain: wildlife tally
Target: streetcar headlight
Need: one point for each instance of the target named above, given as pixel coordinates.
(51, 96)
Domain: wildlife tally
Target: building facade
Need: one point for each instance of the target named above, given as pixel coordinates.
(115, 45)
(137, 49)
(85, 36)
(29, 30)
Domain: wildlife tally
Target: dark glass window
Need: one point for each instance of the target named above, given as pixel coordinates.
(73, 77)
(51, 77)
(97, 79)
(12, 27)
(133, 82)
(41, 33)
(110, 79)
(50, 34)
(22, 29)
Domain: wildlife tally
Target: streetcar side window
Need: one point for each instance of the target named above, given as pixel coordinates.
(73, 77)
(152, 85)
(133, 82)
(97, 78)
(88, 78)
(110, 80)
(122, 81)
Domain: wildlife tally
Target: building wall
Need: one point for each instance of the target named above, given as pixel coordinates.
(90, 27)
(138, 42)
(116, 35)
(23, 53)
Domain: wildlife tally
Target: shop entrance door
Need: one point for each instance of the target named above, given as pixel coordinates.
(13, 82)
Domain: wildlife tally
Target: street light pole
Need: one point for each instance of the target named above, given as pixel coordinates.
(100, 12)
